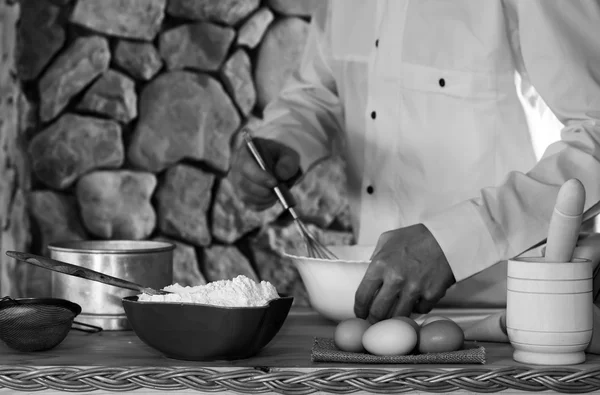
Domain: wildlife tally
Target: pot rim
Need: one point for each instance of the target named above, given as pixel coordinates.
(112, 246)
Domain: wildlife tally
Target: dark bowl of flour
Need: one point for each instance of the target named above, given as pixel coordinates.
(201, 332)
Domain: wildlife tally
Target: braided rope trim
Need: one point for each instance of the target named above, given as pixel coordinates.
(334, 381)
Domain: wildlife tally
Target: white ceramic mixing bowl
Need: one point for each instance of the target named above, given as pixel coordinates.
(331, 285)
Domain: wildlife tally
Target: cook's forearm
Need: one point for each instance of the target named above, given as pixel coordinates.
(509, 219)
(296, 120)
(307, 114)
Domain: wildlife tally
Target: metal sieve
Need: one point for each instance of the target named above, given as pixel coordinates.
(38, 324)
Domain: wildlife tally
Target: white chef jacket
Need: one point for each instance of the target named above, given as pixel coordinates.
(420, 97)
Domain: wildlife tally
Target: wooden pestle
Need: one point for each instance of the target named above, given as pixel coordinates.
(565, 223)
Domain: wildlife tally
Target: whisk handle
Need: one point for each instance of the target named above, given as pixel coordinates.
(73, 270)
(281, 190)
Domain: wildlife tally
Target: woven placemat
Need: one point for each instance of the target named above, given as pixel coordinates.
(324, 350)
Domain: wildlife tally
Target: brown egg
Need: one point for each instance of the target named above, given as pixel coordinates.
(348, 334)
(440, 336)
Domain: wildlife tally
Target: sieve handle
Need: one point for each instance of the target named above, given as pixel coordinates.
(78, 271)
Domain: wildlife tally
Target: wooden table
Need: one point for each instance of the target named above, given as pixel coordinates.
(118, 361)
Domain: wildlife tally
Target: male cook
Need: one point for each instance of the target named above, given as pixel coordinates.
(420, 96)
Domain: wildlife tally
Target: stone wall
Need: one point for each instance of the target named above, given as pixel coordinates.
(14, 172)
(132, 108)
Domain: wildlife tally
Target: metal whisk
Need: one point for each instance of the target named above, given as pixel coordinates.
(313, 246)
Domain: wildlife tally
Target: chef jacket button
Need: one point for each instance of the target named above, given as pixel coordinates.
(370, 190)
(376, 43)
(442, 82)
(373, 115)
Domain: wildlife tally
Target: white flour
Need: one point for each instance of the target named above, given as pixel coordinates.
(239, 292)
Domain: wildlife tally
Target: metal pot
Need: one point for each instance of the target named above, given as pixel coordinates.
(148, 263)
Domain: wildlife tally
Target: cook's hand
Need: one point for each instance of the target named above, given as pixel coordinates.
(255, 186)
(408, 272)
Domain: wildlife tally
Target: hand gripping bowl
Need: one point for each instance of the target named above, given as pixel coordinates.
(332, 284)
(199, 332)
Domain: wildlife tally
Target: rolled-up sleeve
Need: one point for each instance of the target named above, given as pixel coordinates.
(307, 114)
(560, 46)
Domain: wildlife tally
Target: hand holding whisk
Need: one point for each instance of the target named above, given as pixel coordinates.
(314, 247)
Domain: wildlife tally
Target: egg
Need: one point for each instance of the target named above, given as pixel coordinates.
(412, 323)
(433, 318)
(440, 336)
(390, 337)
(349, 333)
